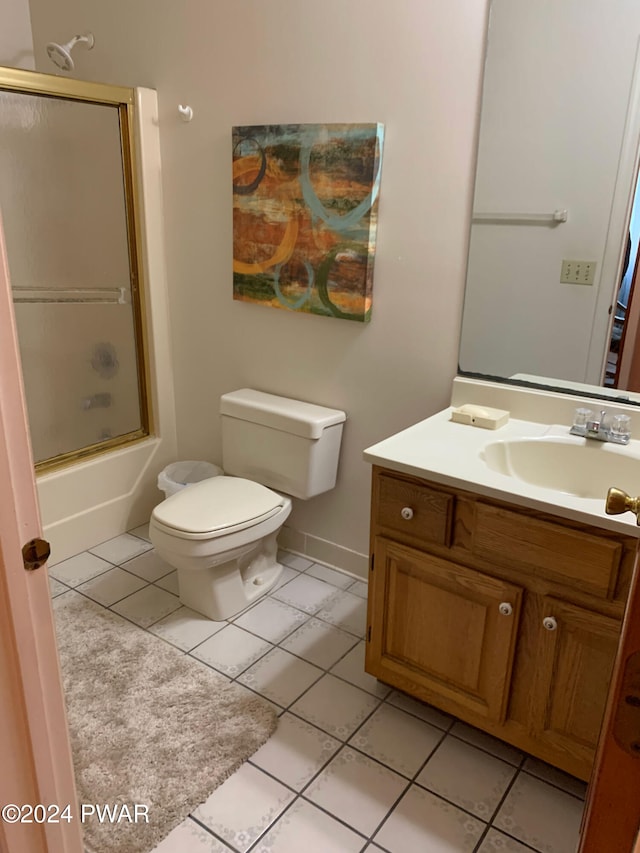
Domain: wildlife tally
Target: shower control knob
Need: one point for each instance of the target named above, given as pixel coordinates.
(505, 608)
(407, 513)
(550, 623)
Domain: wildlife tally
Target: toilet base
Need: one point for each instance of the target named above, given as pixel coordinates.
(227, 588)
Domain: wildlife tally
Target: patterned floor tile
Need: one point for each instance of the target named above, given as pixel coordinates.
(78, 569)
(56, 588)
(351, 669)
(397, 739)
(346, 611)
(319, 643)
(305, 827)
(423, 822)
(185, 628)
(300, 564)
(484, 741)
(244, 806)
(332, 576)
(467, 776)
(296, 752)
(147, 606)
(121, 548)
(111, 586)
(231, 650)
(497, 842)
(189, 837)
(420, 709)
(356, 789)
(335, 706)
(271, 619)
(306, 593)
(280, 676)
(555, 777)
(540, 815)
(149, 566)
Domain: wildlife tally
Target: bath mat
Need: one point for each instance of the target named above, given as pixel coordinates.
(148, 725)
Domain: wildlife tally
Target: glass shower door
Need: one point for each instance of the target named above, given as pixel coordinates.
(67, 204)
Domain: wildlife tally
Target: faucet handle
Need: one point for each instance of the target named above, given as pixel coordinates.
(621, 426)
(582, 416)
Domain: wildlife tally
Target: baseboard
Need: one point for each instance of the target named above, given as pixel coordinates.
(323, 551)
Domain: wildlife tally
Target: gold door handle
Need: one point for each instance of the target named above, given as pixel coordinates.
(619, 501)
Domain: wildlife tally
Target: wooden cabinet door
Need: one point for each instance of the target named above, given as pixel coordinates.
(437, 630)
(574, 659)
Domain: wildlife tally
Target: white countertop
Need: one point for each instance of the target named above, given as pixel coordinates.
(439, 450)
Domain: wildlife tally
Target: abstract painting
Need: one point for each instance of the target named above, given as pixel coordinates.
(305, 212)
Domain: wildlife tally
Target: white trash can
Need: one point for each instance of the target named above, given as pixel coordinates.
(178, 475)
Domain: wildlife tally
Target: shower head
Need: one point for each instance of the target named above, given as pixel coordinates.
(60, 54)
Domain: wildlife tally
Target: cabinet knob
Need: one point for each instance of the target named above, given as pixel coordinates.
(505, 608)
(550, 623)
(407, 513)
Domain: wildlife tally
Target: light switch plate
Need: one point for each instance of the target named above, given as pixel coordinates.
(578, 272)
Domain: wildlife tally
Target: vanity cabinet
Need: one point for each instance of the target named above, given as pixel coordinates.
(450, 629)
(507, 618)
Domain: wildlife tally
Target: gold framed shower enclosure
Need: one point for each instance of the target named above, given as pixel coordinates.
(80, 308)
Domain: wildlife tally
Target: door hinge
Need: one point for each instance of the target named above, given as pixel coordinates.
(369, 634)
(371, 562)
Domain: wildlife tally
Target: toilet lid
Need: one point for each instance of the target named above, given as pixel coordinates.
(216, 504)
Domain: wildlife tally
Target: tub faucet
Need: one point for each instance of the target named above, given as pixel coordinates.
(617, 429)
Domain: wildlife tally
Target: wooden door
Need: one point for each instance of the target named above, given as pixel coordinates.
(34, 745)
(574, 655)
(612, 815)
(442, 630)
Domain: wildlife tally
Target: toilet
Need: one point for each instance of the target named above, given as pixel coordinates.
(221, 533)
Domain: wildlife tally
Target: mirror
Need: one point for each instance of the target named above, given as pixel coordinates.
(554, 229)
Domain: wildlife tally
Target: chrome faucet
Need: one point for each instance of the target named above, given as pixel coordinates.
(617, 430)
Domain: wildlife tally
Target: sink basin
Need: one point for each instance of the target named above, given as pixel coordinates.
(574, 466)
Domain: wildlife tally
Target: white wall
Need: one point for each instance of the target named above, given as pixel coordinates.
(556, 96)
(16, 41)
(415, 66)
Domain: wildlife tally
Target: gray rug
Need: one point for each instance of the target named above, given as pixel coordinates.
(148, 724)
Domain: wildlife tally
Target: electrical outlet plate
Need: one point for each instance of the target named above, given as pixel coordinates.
(578, 272)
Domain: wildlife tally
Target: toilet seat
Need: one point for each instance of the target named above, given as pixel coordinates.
(217, 507)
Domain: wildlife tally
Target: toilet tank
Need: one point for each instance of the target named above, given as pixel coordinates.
(285, 444)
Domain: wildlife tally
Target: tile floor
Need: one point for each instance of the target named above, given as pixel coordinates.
(353, 765)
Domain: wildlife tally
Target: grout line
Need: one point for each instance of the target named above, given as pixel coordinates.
(486, 750)
(556, 785)
(300, 796)
(212, 833)
(428, 759)
(496, 811)
(506, 793)
(66, 583)
(450, 802)
(276, 821)
(390, 811)
(518, 840)
(131, 572)
(481, 839)
(387, 701)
